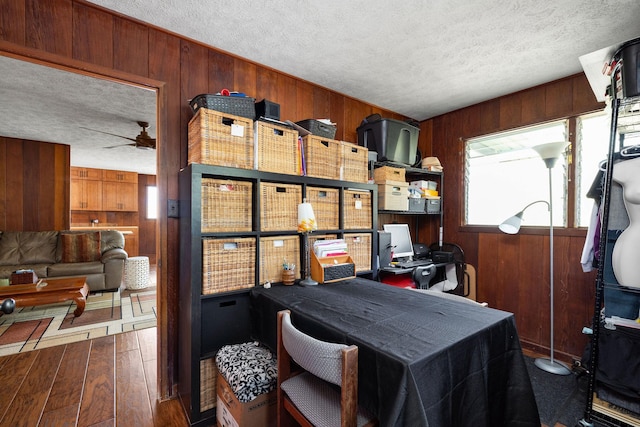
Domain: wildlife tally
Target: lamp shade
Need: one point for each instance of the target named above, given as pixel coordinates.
(306, 218)
(551, 151)
(512, 225)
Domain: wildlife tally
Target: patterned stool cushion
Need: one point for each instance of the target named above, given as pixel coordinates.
(249, 368)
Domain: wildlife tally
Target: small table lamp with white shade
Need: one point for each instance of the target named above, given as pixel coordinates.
(306, 225)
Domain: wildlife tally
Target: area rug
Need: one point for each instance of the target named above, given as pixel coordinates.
(561, 399)
(106, 313)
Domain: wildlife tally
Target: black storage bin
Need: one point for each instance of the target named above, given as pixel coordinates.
(393, 140)
(242, 106)
(627, 76)
(267, 109)
(318, 128)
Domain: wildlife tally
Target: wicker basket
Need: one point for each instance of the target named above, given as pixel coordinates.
(322, 157)
(388, 173)
(208, 375)
(220, 139)
(279, 206)
(326, 206)
(359, 248)
(276, 148)
(242, 106)
(355, 163)
(357, 209)
(275, 251)
(228, 264)
(226, 205)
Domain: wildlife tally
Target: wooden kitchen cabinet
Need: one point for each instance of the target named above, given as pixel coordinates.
(119, 196)
(119, 176)
(86, 173)
(86, 195)
(103, 190)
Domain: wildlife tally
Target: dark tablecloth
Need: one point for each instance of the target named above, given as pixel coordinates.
(423, 360)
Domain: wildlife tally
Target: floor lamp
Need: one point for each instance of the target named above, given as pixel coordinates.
(549, 154)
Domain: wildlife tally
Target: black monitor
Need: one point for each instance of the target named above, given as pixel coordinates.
(400, 241)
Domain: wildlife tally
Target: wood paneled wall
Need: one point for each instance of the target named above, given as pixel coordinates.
(512, 271)
(34, 185)
(77, 34)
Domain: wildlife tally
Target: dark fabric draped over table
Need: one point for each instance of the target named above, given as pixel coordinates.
(423, 360)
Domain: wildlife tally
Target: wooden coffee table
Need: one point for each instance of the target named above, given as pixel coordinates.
(49, 291)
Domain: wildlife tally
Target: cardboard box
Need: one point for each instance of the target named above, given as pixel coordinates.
(230, 412)
(393, 196)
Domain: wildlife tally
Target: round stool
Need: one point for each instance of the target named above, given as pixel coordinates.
(136, 272)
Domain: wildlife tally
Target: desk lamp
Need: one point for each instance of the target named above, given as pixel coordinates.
(306, 224)
(549, 153)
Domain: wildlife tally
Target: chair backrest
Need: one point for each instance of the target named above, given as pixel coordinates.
(330, 362)
(322, 359)
(422, 275)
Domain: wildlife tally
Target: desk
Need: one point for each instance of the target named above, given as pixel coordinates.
(423, 360)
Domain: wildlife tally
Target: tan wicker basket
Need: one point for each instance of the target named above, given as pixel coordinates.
(274, 252)
(359, 248)
(355, 163)
(326, 206)
(277, 148)
(226, 205)
(322, 157)
(357, 209)
(279, 206)
(228, 264)
(208, 375)
(388, 173)
(220, 139)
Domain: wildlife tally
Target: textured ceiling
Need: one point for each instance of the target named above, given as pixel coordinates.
(46, 104)
(419, 58)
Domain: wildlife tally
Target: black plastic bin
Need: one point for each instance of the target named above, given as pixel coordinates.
(627, 76)
(394, 141)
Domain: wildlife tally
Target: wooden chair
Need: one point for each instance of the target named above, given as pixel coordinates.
(307, 392)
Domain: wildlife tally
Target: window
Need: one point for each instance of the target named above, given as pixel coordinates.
(152, 202)
(504, 174)
(592, 145)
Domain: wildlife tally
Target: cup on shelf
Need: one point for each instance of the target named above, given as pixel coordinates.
(288, 277)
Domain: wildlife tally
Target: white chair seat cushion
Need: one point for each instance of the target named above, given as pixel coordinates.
(318, 400)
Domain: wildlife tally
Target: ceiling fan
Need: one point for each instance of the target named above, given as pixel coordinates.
(142, 140)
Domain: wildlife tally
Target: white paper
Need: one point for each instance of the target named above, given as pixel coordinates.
(237, 130)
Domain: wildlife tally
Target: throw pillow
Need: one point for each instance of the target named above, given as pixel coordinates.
(80, 247)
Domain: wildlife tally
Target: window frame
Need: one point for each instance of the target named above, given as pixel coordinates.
(571, 229)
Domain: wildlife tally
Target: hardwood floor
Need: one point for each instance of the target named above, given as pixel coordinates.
(101, 382)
